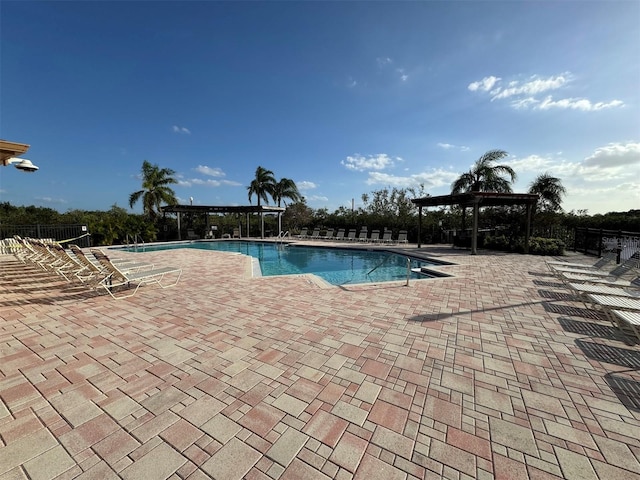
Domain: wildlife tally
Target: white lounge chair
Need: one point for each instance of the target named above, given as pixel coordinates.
(597, 266)
(340, 235)
(629, 318)
(626, 268)
(602, 261)
(116, 277)
(610, 304)
(364, 235)
(402, 237)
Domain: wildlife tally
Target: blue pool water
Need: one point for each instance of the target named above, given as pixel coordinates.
(338, 266)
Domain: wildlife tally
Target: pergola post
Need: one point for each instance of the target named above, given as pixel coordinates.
(179, 234)
(419, 225)
(527, 234)
(474, 233)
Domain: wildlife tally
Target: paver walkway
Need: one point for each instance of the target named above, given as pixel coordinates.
(493, 373)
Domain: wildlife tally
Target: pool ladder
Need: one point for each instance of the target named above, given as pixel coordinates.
(281, 236)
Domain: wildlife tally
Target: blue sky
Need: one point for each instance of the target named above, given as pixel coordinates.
(342, 97)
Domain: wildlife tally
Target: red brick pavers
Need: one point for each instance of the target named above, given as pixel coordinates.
(492, 373)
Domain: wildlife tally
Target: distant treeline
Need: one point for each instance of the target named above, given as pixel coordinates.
(382, 209)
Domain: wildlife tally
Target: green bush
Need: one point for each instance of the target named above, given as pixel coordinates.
(537, 245)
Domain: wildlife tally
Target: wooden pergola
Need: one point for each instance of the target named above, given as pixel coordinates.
(207, 209)
(475, 200)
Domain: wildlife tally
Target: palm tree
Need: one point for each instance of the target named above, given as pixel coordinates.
(285, 188)
(261, 186)
(155, 189)
(484, 176)
(550, 190)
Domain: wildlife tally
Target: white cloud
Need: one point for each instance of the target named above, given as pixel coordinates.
(213, 172)
(305, 185)
(210, 183)
(316, 198)
(448, 146)
(182, 130)
(484, 85)
(361, 163)
(51, 200)
(433, 179)
(383, 61)
(534, 86)
(614, 155)
(532, 163)
(524, 95)
(577, 104)
(351, 82)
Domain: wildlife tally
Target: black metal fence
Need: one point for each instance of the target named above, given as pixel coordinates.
(78, 234)
(595, 241)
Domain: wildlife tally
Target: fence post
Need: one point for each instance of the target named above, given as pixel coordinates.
(600, 245)
(619, 249)
(586, 239)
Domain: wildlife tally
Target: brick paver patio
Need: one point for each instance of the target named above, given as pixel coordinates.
(492, 373)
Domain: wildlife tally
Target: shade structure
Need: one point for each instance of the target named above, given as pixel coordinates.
(476, 200)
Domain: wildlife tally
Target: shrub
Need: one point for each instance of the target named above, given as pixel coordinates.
(537, 245)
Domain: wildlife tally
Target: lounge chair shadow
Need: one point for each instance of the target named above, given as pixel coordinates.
(610, 354)
(429, 317)
(590, 329)
(541, 274)
(573, 311)
(543, 283)
(38, 295)
(626, 389)
(567, 297)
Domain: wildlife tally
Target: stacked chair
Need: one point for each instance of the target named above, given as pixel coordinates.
(120, 278)
(615, 293)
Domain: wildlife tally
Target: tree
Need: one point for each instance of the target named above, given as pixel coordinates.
(286, 188)
(484, 176)
(262, 185)
(550, 190)
(155, 189)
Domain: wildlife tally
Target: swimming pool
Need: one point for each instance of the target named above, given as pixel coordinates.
(338, 266)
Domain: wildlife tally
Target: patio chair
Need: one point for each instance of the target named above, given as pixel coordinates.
(340, 235)
(364, 235)
(629, 318)
(402, 237)
(621, 306)
(600, 263)
(386, 237)
(303, 233)
(70, 268)
(625, 268)
(582, 290)
(315, 234)
(117, 278)
(351, 236)
(375, 236)
(328, 235)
